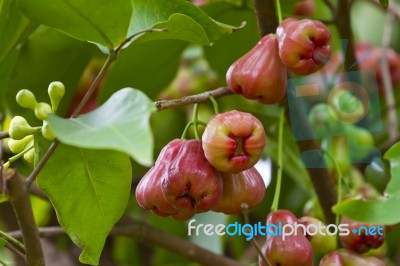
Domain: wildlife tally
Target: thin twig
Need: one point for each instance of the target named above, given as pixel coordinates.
(150, 235)
(392, 122)
(4, 135)
(198, 98)
(19, 199)
(393, 8)
(15, 251)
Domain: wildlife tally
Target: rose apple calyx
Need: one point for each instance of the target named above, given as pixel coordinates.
(233, 141)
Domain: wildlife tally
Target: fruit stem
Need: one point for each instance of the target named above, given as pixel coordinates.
(194, 120)
(253, 240)
(17, 156)
(214, 104)
(275, 203)
(11, 240)
(278, 10)
(186, 129)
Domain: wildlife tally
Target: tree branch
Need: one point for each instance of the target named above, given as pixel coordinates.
(322, 181)
(198, 98)
(148, 234)
(343, 25)
(392, 123)
(19, 199)
(4, 135)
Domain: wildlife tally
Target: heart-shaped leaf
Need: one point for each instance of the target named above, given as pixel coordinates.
(121, 124)
(89, 190)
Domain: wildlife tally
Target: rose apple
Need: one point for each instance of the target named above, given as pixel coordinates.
(259, 74)
(192, 184)
(304, 45)
(233, 141)
(241, 191)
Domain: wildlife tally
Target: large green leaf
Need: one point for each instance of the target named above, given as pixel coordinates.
(121, 123)
(14, 27)
(100, 21)
(379, 210)
(180, 18)
(147, 66)
(110, 23)
(48, 55)
(393, 155)
(89, 190)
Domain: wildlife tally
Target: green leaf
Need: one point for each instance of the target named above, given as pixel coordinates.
(14, 27)
(180, 18)
(89, 190)
(147, 66)
(379, 211)
(2, 243)
(121, 124)
(393, 155)
(231, 47)
(384, 3)
(100, 21)
(48, 55)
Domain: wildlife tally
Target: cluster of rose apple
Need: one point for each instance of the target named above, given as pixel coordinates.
(298, 249)
(215, 173)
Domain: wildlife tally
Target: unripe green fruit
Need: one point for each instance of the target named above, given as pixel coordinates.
(29, 157)
(324, 121)
(360, 142)
(16, 146)
(19, 128)
(47, 132)
(322, 243)
(56, 91)
(42, 110)
(26, 98)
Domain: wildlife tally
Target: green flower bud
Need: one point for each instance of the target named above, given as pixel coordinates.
(56, 91)
(42, 110)
(16, 146)
(26, 98)
(47, 132)
(29, 156)
(19, 128)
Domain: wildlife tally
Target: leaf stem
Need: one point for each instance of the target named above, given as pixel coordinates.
(275, 203)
